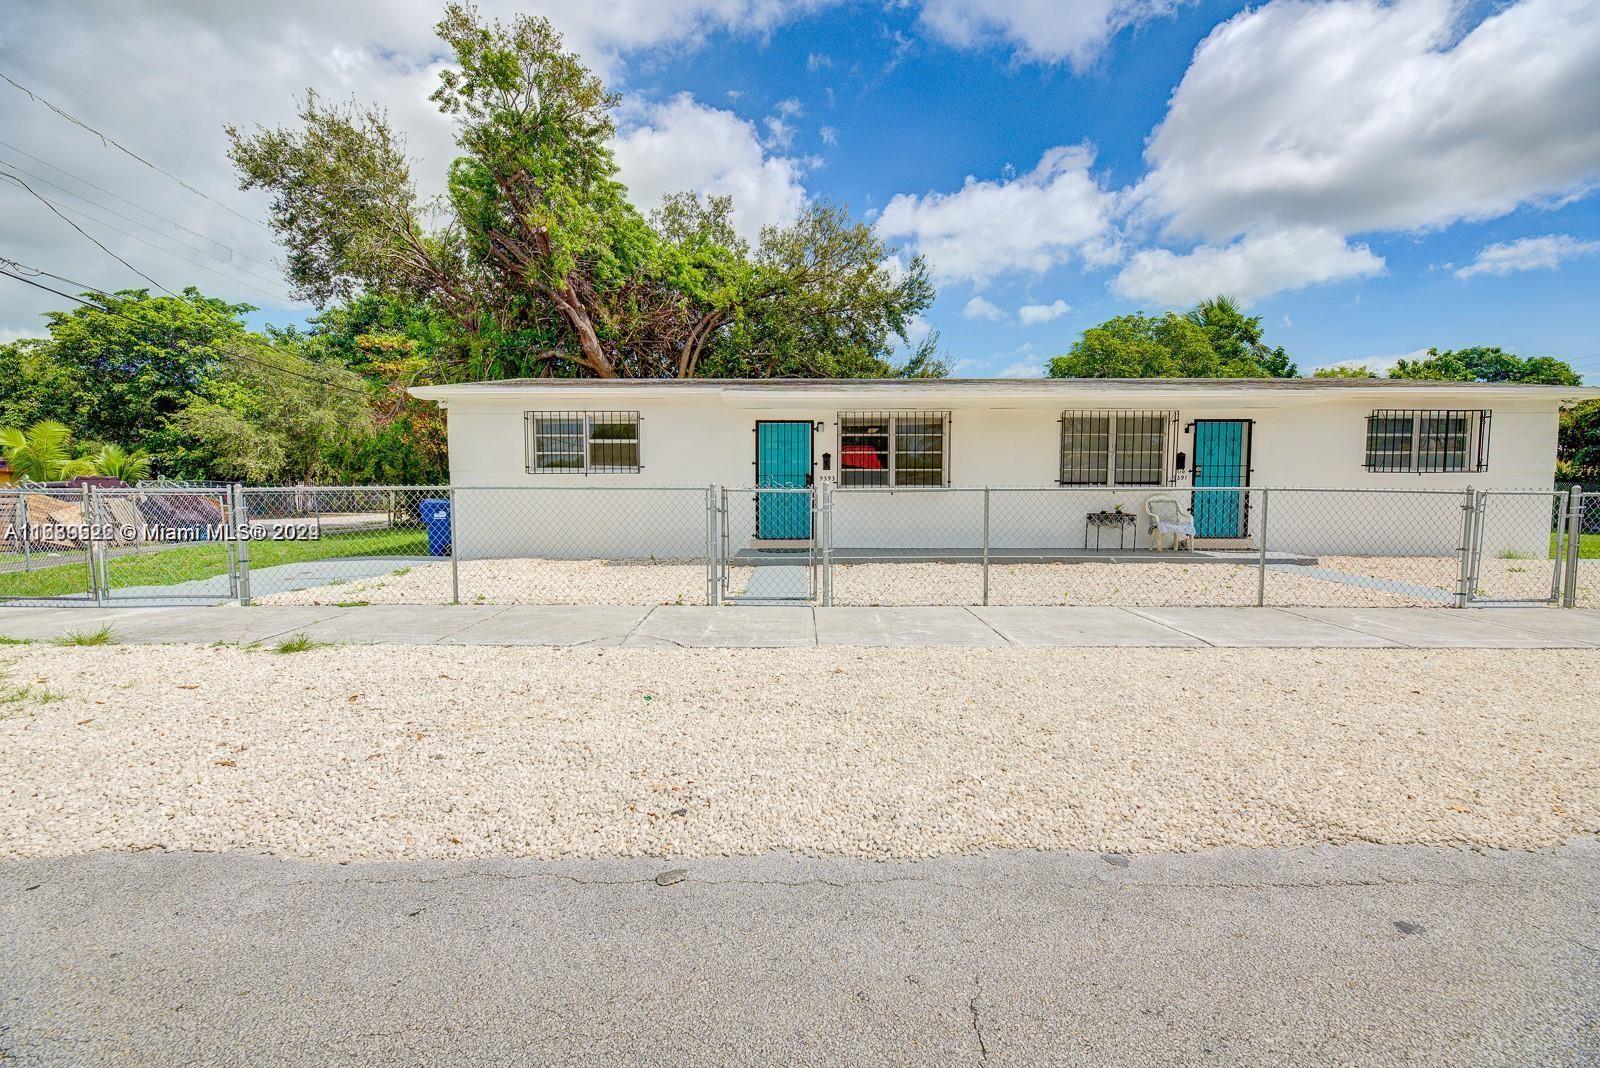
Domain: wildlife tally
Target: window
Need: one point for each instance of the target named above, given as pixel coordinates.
(894, 448)
(1115, 448)
(1428, 441)
(582, 442)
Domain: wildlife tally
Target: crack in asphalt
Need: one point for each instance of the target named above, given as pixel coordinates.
(977, 1020)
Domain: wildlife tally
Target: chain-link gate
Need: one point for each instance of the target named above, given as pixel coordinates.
(1518, 547)
(769, 545)
(165, 545)
(46, 551)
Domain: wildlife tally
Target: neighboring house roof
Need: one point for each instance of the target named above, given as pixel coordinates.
(1001, 388)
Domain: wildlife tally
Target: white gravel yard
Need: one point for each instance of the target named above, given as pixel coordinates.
(1173, 582)
(522, 581)
(1151, 585)
(378, 752)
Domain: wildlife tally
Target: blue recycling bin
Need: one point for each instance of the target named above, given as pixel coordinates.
(436, 520)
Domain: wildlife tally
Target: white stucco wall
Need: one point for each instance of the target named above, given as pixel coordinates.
(691, 439)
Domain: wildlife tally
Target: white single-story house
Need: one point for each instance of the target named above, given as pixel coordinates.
(900, 452)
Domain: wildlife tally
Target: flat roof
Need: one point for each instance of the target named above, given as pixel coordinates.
(994, 387)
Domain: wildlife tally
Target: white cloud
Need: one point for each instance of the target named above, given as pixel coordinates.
(1075, 31)
(1528, 254)
(1360, 115)
(1032, 368)
(829, 136)
(780, 134)
(728, 158)
(1378, 365)
(816, 61)
(1030, 223)
(978, 308)
(1298, 125)
(105, 62)
(1248, 268)
(1033, 314)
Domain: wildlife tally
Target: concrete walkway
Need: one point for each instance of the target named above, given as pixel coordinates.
(777, 627)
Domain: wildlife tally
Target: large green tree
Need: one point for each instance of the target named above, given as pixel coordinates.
(274, 413)
(1487, 364)
(541, 266)
(118, 368)
(1215, 339)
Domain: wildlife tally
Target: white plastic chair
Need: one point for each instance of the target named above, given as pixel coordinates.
(1168, 516)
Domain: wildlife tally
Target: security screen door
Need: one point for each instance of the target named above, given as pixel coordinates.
(1221, 458)
(783, 461)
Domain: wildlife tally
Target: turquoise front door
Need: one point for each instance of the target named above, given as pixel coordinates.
(1221, 458)
(783, 460)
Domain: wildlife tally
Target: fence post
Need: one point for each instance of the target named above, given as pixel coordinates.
(986, 546)
(90, 545)
(1569, 598)
(1464, 579)
(712, 592)
(455, 550)
(1261, 568)
(827, 548)
(241, 535)
(20, 514)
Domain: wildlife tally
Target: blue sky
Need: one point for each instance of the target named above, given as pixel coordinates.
(915, 115)
(1372, 178)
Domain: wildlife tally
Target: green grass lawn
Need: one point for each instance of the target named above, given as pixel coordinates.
(189, 562)
(1588, 546)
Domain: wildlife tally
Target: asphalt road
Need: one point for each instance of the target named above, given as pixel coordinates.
(1350, 955)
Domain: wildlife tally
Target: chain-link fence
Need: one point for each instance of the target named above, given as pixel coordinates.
(45, 555)
(1070, 545)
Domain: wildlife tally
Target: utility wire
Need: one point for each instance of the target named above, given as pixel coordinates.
(85, 233)
(279, 296)
(110, 143)
(146, 226)
(9, 268)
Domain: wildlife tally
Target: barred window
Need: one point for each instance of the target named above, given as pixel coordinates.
(894, 449)
(582, 442)
(1428, 441)
(1116, 448)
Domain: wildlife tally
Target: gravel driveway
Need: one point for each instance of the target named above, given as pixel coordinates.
(383, 752)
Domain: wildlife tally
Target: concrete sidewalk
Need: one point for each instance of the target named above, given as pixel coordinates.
(777, 627)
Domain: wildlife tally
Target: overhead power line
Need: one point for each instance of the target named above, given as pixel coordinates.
(21, 272)
(277, 296)
(118, 196)
(111, 143)
(87, 235)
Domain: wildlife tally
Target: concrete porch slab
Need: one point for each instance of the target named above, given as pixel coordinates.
(1262, 628)
(537, 624)
(1438, 628)
(1080, 626)
(399, 624)
(744, 627)
(903, 627)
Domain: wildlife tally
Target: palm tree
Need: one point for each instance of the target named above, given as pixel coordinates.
(42, 453)
(114, 461)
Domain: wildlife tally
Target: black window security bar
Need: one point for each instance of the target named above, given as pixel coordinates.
(1428, 440)
(894, 449)
(582, 442)
(1117, 448)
